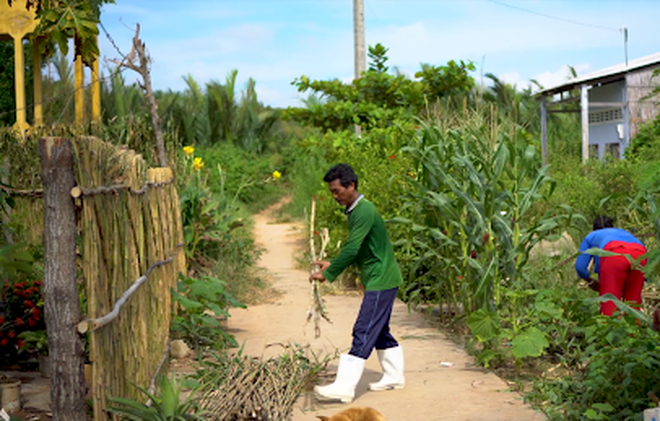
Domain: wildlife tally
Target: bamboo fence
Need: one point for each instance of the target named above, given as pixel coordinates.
(126, 227)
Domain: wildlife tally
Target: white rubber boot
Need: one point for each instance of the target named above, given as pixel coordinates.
(391, 360)
(349, 373)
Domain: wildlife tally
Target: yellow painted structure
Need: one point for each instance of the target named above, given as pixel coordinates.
(38, 90)
(79, 77)
(96, 91)
(18, 22)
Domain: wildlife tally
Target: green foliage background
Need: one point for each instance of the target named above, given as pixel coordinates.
(455, 169)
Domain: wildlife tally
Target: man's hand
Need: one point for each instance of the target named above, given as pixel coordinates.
(318, 266)
(593, 284)
(318, 276)
(321, 264)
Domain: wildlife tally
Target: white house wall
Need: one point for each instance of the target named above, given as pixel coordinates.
(604, 134)
(606, 122)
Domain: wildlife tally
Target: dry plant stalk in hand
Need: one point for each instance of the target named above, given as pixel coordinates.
(317, 308)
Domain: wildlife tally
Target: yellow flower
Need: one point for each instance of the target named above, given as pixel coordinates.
(198, 164)
(277, 175)
(189, 150)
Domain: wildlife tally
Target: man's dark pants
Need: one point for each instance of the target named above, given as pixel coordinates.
(372, 327)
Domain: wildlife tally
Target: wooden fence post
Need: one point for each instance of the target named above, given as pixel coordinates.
(61, 301)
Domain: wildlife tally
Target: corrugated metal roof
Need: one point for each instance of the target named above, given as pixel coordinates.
(605, 75)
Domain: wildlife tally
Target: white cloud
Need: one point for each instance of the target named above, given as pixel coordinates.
(247, 36)
(245, 39)
(276, 97)
(418, 42)
(513, 78)
(549, 79)
(546, 79)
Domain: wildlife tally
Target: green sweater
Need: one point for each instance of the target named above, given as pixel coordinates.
(369, 246)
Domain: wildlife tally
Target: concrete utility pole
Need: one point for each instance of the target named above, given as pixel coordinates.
(625, 43)
(358, 29)
(360, 54)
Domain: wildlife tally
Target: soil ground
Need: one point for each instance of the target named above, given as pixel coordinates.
(434, 391)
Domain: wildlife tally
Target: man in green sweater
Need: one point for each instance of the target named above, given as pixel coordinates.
(370, 248)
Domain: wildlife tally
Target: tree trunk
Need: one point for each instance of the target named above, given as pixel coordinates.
(155, 118)
(60, 291)
(143, 69)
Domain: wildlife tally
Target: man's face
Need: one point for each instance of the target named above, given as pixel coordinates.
(343, 195)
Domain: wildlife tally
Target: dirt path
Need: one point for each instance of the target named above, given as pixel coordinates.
(433, 392)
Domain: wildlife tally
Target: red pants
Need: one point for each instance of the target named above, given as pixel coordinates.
(618, 278)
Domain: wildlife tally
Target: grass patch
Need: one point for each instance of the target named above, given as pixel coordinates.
(255, 288)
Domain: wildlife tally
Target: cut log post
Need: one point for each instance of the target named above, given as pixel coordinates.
(60, 290)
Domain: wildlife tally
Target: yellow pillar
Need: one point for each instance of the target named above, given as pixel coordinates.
(17, 21)
(19, 84)
(80, 92)
(38, 91)
(96, 92)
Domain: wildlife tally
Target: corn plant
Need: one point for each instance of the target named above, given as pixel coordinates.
(473, 230)
(646, 205)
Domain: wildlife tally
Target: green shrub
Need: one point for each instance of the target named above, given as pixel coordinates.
(611, 380)
(193, 322)
(597, 188)
(244, 175)
(305, 163)
(645, 147)
(214, 223)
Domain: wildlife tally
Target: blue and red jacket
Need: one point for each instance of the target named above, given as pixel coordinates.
(600, 238)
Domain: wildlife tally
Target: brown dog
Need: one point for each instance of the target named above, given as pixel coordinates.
(355, 414)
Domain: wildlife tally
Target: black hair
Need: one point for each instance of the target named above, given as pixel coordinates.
(603, 221)
(344, 173)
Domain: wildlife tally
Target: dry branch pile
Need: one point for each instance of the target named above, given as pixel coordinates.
(248, 388)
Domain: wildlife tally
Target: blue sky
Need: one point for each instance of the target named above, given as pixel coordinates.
(275, 41)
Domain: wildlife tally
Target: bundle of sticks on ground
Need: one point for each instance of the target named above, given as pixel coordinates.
(249, 388)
